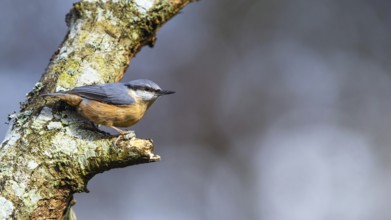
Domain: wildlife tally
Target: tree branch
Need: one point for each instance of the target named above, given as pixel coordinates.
(51, 152)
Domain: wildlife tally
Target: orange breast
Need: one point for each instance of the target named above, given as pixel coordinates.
(111, 115)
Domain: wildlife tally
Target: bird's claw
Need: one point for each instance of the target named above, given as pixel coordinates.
(126, 135)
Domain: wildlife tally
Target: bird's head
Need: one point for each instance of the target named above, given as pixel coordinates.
(146, 90)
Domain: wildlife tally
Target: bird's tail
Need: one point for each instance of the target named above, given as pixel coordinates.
(70, 99)
(54, 94)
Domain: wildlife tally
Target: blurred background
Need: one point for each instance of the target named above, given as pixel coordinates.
(281, 111)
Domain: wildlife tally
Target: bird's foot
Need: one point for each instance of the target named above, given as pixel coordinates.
(125, 135)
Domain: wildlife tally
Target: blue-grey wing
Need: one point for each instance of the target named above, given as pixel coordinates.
(112, 93)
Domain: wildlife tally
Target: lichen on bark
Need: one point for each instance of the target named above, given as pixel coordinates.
(50, 151)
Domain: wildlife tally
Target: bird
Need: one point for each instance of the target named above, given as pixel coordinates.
(113, 105)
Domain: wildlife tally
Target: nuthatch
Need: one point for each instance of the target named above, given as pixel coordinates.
(115, 104)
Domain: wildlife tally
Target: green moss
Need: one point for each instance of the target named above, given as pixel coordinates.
(106, 26)
(20, 118)
(71, 66)
(66, 80)
(37, 88)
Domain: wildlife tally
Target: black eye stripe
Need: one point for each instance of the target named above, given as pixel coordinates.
(145, 88)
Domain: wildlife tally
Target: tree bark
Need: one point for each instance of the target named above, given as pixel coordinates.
(51, 152)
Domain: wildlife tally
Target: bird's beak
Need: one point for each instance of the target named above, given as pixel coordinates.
(165, 92)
